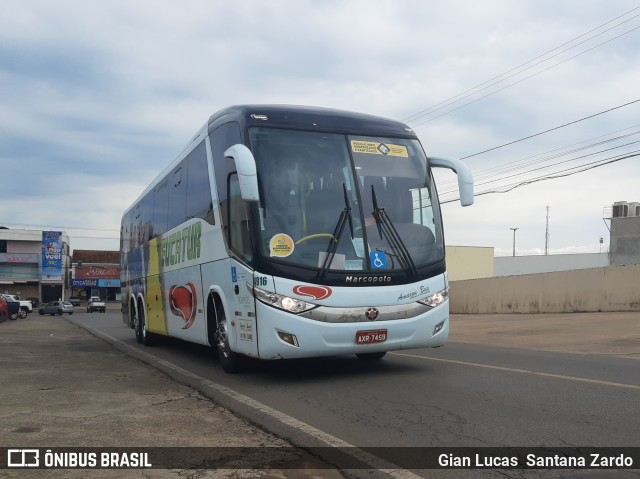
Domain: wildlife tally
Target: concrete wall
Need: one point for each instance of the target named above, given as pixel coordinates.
(517, 265)
(469, 262)
(625, 240)
(24, 246)
(614, 288)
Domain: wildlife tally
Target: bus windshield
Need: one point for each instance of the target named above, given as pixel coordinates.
(339, 202)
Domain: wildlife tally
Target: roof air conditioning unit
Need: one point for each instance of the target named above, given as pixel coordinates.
(620, 209)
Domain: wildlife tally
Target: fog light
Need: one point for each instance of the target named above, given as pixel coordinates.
(288, 338)
(438, 327)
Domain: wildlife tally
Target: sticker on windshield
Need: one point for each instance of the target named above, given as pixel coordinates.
(377, 148)
(281, 245)
(378, 260)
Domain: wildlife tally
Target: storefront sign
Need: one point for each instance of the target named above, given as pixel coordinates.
(19, 258)
(97, 272)
(99, 283)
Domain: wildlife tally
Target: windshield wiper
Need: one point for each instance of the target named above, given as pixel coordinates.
(387, 230)
(345, 216)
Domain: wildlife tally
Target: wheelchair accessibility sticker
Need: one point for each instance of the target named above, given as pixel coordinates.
(378, 260)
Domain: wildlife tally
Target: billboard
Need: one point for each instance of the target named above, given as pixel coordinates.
(52, 255)
(97, 272)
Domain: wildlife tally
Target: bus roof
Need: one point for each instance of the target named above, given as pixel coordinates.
(312, 119)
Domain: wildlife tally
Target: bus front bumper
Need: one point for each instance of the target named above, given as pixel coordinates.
(283, 335)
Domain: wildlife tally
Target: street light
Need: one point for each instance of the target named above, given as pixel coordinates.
(514, 239)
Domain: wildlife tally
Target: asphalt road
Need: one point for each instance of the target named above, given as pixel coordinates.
(459, 395)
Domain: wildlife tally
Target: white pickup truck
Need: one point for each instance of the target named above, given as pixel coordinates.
(96, 304)
(25, 306)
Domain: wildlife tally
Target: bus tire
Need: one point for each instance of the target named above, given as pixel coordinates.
(148, 339)
(137, 326)
(231, 362)
(371, 356)
(133, 321)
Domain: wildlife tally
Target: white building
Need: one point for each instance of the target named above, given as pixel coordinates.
(34, 263)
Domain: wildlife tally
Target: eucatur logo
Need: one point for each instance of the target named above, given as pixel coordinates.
(183, 302)
(315, 292)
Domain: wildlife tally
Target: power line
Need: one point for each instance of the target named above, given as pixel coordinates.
(551, 129)
(566, 172)
(551, 154)
(494, 81)
(63, 228)
(550, 166)
(503, 174)
(520, 81)
(417, 115)
(558, 174)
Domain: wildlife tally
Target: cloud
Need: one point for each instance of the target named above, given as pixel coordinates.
(97, 98)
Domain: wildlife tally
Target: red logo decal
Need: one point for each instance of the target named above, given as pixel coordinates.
(315, 292)
(183, 302)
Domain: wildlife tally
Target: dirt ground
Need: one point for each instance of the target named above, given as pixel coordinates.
(615, 334)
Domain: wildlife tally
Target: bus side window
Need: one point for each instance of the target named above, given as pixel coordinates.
(239, 229)
(198, 199)
(160, 205)
(176, 212)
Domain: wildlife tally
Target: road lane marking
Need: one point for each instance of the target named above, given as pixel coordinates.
(522, 371)
(331, 441)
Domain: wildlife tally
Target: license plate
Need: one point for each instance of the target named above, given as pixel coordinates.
(373, 336)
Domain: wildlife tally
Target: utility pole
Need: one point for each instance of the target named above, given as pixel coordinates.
(546, 235)
(514, 239)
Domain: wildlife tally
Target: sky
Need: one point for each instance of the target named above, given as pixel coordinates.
(97, 98)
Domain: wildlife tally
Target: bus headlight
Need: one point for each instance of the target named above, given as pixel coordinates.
(282, 302)
(436, 299)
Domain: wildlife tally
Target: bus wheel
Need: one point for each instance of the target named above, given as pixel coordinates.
(231, 362)
(371, 356)
(137, 327)
(148, 339)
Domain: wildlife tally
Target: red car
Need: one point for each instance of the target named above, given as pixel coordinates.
(8, 309)
(4, 311)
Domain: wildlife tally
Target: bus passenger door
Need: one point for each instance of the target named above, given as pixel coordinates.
(243, 314)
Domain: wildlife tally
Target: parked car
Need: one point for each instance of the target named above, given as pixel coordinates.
(25, 306)
(34, 301)
(57, 307)
(13, 308)
(96, 304)
(75, 300)
(4, 310)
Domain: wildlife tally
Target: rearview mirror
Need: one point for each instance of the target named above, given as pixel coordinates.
(465, 177)
(246, 168)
